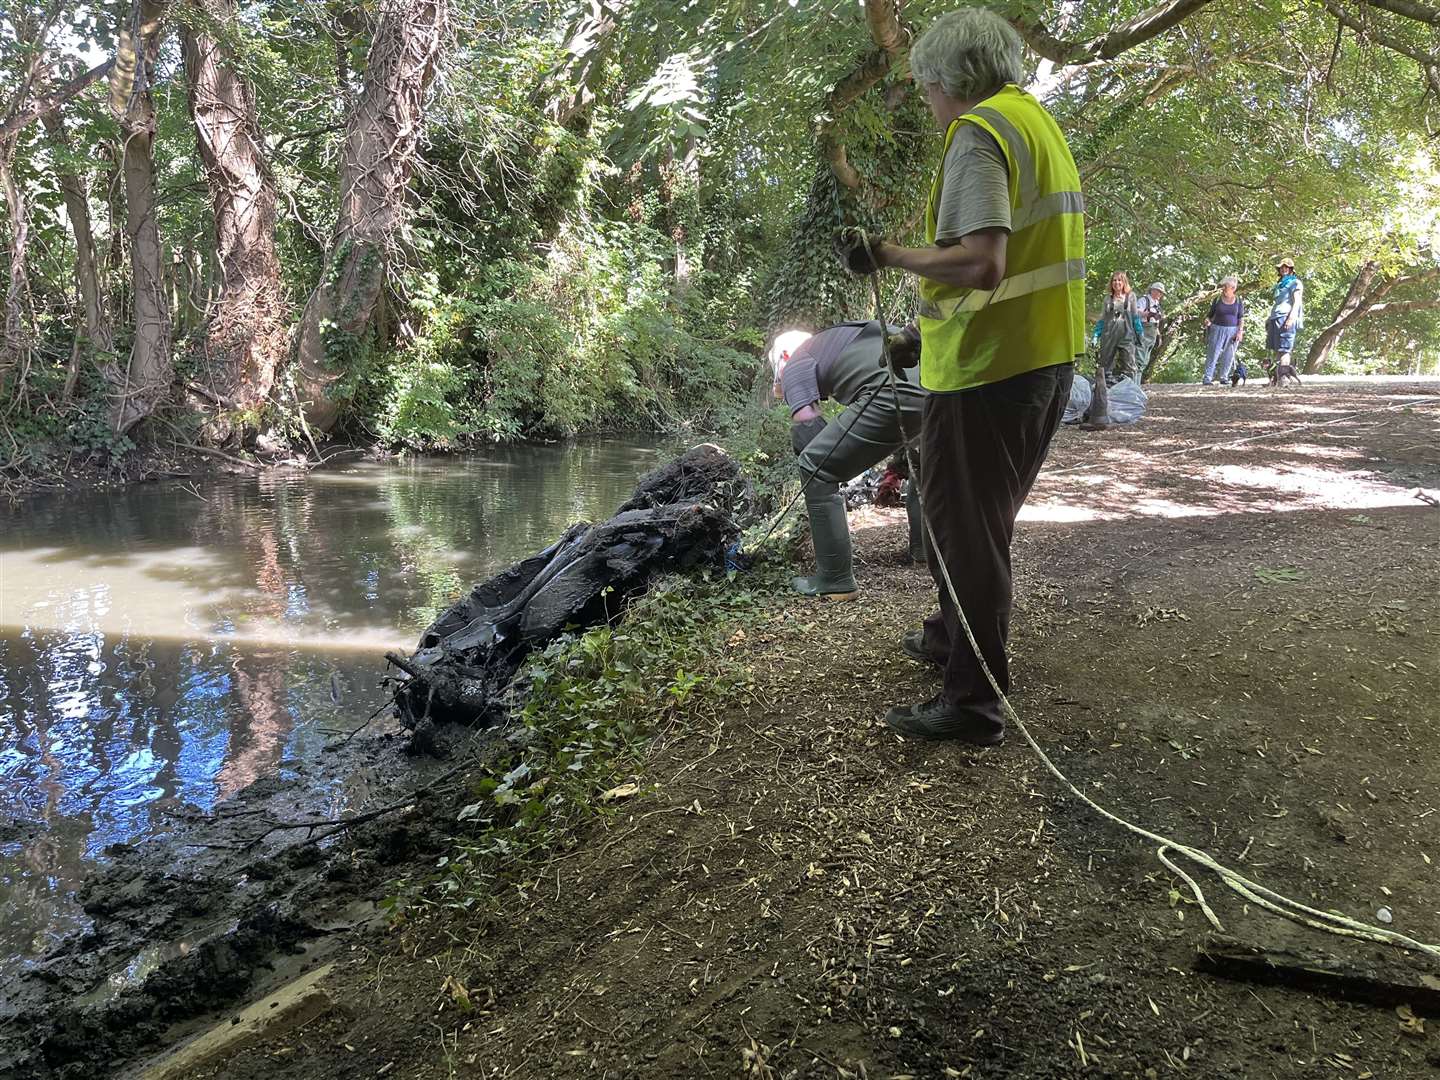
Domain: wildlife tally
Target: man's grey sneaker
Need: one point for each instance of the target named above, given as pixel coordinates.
(913, 646)
(979, 725)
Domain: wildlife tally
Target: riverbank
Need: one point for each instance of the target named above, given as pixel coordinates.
(775, 886)
(73, 470)
(77, 472)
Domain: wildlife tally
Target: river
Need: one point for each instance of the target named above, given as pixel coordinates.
(167, 644)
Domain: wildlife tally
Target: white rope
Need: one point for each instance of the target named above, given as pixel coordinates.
(1249, 890)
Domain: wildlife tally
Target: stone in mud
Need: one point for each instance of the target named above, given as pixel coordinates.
(679, 516)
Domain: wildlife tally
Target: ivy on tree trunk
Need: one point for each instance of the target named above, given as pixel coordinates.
(138, 388)
(245, 335)
(381, 138)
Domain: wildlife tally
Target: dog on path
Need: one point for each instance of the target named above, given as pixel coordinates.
(1280, 372)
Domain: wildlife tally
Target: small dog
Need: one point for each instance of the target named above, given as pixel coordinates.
(1280, 372)
(1238, 376)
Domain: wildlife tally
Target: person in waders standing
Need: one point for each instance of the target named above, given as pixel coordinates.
(1002, 321)
(843, 364)
(1119, 331)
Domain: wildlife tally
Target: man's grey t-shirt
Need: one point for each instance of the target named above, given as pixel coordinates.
(974, 188)
(825, 366)
(809, 366)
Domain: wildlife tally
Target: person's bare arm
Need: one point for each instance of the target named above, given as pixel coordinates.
(975, 261)
(1295, 301)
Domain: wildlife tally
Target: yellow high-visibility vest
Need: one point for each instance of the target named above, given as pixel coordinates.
(1035, 317)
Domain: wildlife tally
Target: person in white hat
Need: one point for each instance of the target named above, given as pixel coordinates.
(1148, 308)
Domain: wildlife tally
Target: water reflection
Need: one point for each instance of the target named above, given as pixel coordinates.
(162, 646)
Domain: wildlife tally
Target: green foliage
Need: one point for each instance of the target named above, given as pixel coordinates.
(591, 338)
(1289, 146)
(615, 206)
(760, 440)
(587, 708)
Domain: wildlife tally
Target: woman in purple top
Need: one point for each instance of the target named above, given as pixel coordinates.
(1224, 330)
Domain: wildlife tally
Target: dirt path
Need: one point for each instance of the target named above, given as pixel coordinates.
(1238, 648)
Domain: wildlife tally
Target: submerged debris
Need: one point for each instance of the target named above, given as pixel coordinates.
(679, 516)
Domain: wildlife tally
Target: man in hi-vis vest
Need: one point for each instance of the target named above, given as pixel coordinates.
(1002, 320)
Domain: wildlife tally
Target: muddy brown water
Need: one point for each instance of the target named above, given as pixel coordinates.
(168, 644)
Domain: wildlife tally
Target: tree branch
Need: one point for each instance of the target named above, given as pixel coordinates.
(889, 33)
(892, 39)
(1409, 10)
(1404, 305)
(1425, 60)
(1148, 24)
(1374, 299)
(54, 99)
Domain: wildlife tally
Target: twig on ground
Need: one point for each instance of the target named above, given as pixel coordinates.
(339, 825)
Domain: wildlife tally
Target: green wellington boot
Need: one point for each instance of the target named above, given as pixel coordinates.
(834, 577)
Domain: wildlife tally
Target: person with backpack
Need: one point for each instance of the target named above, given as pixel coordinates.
(1148, 308)
(1224, 330)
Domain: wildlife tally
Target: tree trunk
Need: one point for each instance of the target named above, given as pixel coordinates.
(138, 389)
(15, 344)
(99, 338)
(1325, 342)
(381, 137)
(32, 28)
(246, 336)
(680, 188)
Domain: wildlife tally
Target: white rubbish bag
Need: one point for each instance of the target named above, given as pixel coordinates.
(1080, 394)
(1126, 401)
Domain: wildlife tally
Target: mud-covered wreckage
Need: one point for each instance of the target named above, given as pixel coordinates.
(681, 515)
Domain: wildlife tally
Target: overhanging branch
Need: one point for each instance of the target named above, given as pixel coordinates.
(54, 99)
(1408, 9)
(1148, 24)
(892, 39)
(1426, 60)
(1404, 305)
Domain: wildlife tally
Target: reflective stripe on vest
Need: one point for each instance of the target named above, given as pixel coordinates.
(1035, 317)
(1012, 288)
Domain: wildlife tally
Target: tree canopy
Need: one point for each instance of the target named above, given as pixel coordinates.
(440, 221)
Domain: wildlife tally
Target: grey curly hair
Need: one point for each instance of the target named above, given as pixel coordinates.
(970, 53)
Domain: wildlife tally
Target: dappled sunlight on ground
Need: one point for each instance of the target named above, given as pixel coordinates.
(1169, 466)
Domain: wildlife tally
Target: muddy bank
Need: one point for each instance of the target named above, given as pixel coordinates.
(224, 905)
(219, 906)
(79, 471)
